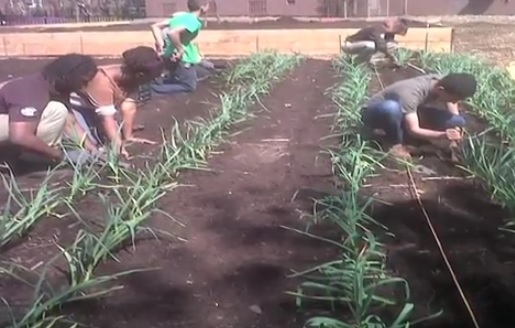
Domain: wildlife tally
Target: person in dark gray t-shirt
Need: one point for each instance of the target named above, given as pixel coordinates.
(34, 108)
(412, 106)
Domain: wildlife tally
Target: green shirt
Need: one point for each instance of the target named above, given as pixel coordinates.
(192, 24)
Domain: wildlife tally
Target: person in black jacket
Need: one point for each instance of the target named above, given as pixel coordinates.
(375, 43)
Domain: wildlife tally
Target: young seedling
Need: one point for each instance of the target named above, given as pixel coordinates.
(22, 210)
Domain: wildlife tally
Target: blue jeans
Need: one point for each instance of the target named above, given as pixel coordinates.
(388, 116)
(183, 78)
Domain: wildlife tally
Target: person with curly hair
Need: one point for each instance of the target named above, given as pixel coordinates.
(34, 112)
(113, 91)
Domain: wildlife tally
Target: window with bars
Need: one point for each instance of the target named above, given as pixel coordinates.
(169, 8)
(257, 8)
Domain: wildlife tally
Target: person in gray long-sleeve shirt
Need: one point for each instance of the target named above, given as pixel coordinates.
(376, 40)
(413, 106)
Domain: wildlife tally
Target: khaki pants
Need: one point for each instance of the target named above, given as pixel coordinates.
(50, 128)
(366, 50)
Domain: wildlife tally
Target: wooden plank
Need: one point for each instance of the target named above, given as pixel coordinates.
(215, 42)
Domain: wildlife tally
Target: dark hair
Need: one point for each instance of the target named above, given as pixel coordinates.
(70, 72)
(194, 5)
(462, 85)
(142, 63)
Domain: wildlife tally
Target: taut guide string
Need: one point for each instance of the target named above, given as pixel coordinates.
(414, 190)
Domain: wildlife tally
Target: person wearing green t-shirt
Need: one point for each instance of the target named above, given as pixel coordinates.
(203, 66)
(178, 50)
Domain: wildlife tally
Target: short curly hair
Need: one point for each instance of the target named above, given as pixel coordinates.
(142, 62)
(70, 72)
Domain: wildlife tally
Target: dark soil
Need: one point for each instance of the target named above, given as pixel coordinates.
(232, 270)
(467, 224)
(281, 23)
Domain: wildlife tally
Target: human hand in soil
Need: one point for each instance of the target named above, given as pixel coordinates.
(141, 141)
(453, 134)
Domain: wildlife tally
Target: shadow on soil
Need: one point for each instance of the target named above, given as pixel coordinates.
(479, 252)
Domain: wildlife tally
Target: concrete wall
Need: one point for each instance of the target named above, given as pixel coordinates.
(216, 43)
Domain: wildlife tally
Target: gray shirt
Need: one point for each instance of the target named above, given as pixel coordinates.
(410, 93)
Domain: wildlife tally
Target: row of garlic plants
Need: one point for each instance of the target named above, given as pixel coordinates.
(129, 201)
(357, 283)
(489, 155)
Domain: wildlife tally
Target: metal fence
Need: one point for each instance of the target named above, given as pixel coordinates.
(43, 12)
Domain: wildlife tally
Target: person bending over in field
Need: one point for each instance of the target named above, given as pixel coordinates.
(414, 107)
(178, 50)
(112, 91)
(375, 44)
(34, 112)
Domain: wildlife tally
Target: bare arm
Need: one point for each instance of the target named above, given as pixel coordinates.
(175, 36)
(77, 134)
(103, 95)
(110, 127)
(414, 128)
(23, 134)
(128, 109)
(156, 32)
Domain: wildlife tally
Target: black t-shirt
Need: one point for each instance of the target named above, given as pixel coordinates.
(25, 98)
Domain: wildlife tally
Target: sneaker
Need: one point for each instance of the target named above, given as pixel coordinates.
(400, 152)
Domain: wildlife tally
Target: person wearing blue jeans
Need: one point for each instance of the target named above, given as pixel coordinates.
(175, 42)
(411, 108)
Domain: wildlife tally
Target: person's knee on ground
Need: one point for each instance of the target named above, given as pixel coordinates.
(53, 121)
(456, 121)
(387, 117)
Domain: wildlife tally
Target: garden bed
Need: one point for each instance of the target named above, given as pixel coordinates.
(226, 264)
(467, 223)
(231, 270)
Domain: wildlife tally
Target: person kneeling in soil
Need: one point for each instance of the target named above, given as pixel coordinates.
(34, 112)
(413, 107)
(113, 88)
(375, 44)
(178, 50)
(204, 68)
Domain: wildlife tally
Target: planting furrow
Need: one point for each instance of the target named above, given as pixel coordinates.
(132, 201)
(489, 154)
(355, 287)
(463, 216)
(231, 271)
